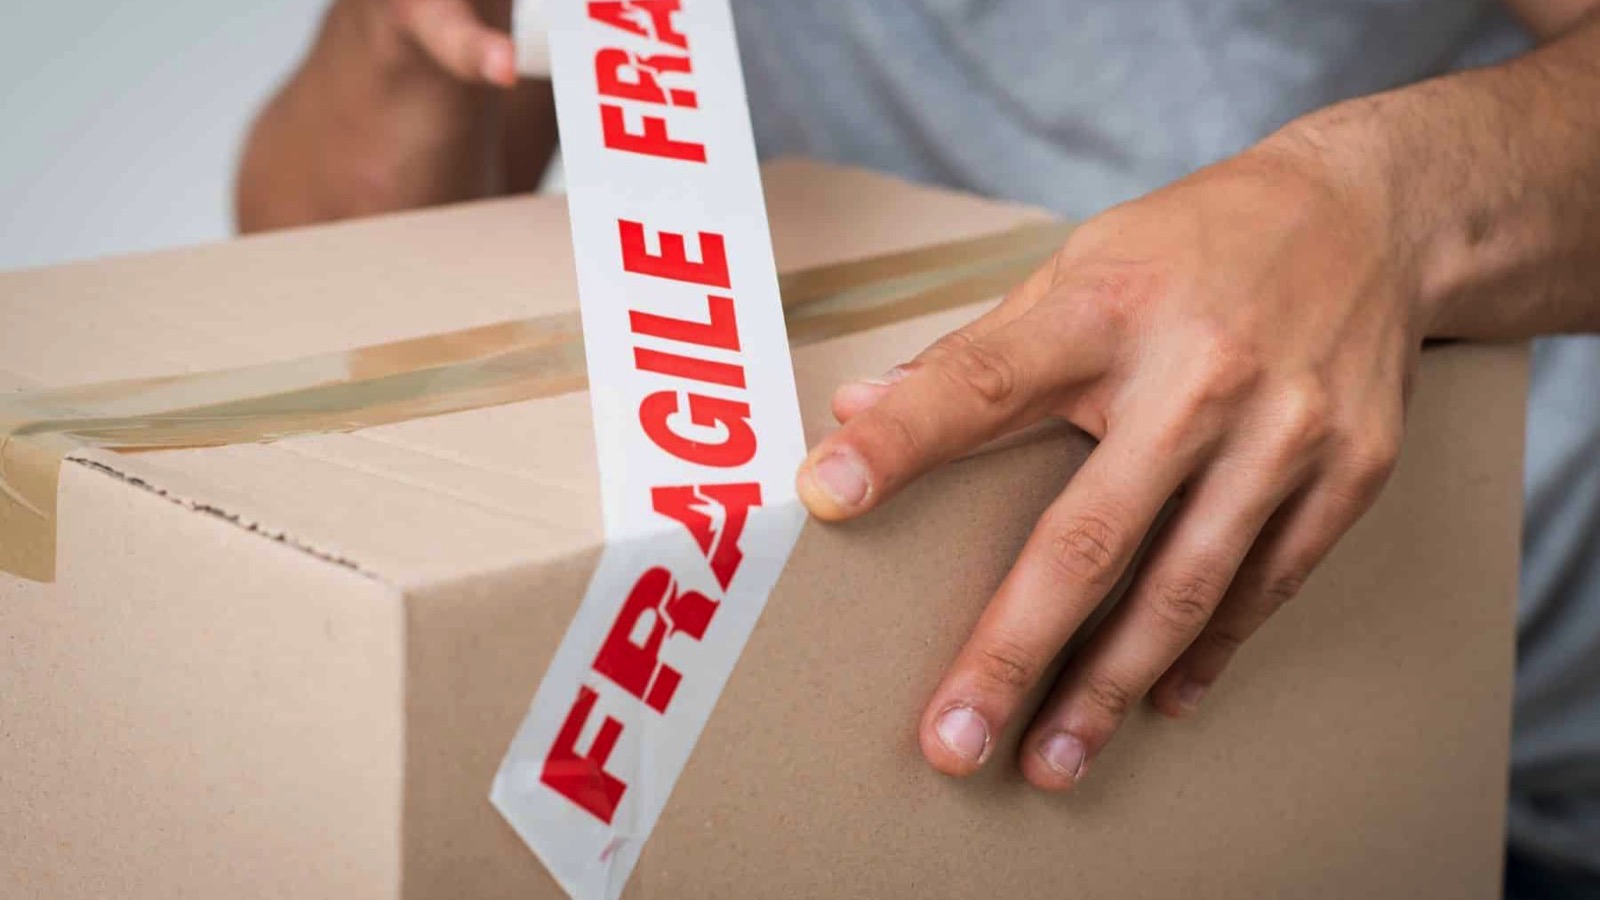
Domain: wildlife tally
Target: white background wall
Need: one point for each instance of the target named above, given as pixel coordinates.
(120, 119)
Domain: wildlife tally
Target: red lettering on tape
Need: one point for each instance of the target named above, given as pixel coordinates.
(673, 261)
(721, 546)
(638, 671)
(625, 76)
(636, 667)
(735, 449)
(720, 330)
(652, 140)
(688, 367)
(632, 16)
(584, 779)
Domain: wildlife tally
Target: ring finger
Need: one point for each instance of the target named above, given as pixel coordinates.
(1175, 593)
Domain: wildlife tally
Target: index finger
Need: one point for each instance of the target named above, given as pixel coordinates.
(960, 392)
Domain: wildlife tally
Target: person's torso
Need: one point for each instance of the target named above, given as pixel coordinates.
(1075, 104)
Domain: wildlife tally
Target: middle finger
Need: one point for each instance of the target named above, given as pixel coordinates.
(1177, 589)
(1074, 557)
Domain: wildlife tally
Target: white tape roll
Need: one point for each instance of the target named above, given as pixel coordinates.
(528, 32)
(697, 425)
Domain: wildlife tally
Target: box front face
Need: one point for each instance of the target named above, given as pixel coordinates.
(196, 711)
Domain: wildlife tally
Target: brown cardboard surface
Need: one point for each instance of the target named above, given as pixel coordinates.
(291, 669)
(196, 711)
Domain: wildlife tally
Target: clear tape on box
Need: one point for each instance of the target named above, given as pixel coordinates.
(474, 368)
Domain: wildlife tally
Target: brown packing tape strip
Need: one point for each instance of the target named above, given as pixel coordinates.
(491, 365)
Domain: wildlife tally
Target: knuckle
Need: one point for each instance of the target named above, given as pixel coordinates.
(1185, 602)
(1220, 376)
(1188, 425)
(1223, 641)
(1115, 289)
(1375, 457)
(1108, 693)
(1226, 367)
(1370, 458)
(1115, 294)
(1082, 550)
(1282, 588)
(975, 367)
(1007, 665)
(890, 430)
(1304, 422)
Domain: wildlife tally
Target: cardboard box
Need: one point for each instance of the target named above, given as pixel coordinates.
(290, 669)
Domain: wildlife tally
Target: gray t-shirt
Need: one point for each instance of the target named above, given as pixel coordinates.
(1079, 104)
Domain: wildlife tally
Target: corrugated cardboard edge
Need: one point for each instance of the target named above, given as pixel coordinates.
(132, 471)
(124, 468)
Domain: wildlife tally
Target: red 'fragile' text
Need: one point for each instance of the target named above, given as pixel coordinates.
(644, 95)
(692, 419)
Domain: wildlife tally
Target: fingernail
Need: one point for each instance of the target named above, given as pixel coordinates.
(964, 732)
(892, 376)
(855, 396)
(863, 393)
(1190, 693)
(1063, 753)
(843, 477)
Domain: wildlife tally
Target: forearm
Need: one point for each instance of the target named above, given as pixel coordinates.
(1490, 182)
(370, 124)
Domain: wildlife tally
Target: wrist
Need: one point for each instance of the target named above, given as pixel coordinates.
(1356, 153)
(1367, 156)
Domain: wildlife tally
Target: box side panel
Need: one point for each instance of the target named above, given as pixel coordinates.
(475, 653)
(195, 711)
(1357, 748)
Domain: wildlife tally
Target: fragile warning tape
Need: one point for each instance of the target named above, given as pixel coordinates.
(697, 425)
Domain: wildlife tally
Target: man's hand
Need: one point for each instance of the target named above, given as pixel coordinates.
(400, 104)
(1241, 344)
